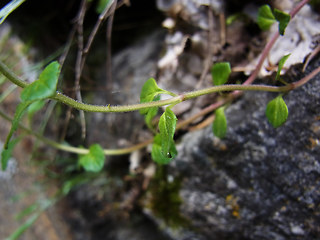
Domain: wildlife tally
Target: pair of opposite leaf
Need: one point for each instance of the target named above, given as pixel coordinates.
(32, 99)
(163, 147)
(32, 96)
(276, 111)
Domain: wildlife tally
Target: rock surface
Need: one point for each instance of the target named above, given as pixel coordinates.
(258, 182)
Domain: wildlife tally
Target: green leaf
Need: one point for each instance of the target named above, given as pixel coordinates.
(219, 126)
(277, 111)
(158, 155)
(237, 17)
(16, 119)
(232, 18)
(167, 127)
(280, 65)
(7, 153)
(265, 17)
(94, 160)
(72, 183)
(152, 112)
(283, 19)
(9, 8)
(220, 73)
(149, 91)
(27, 211)
(45, 86)
(34, 107)
(28, 223)
(102, 4)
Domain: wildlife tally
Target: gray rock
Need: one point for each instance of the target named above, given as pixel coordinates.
(265, 183)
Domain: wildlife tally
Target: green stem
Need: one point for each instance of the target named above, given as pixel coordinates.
(109, 109)
(76, 150)
(234, 87)
(11, 76)
(128, 108)
(172, 100)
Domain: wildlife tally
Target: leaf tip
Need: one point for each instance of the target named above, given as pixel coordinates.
(277, 112)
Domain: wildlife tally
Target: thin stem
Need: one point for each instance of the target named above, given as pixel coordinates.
(79, 66)
(174, 100)
(93, 33)
(76, 150)
(306, 78)
(178, 99)
(208, 59)
(179, 125)
(246, 85)
(233, 87)
(109, 53)
(254, 74)
(203, 112)
(298, 7)
(12, 76)
(263, 56)
(269, 45)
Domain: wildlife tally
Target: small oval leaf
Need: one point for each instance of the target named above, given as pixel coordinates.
(21, 108)
(219, 126)
(220, 73)
(277, 111)
(283, 19)
(45, 86)
(7, 153)
(102, 5)
(158, 155)
(94, 160)
(265, 17)
(151, 113)
(167, 127)
(280, 65)
(149, 91)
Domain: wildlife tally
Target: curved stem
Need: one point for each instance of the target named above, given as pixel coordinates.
(269, 45)
(174, 100)
(179, 125)
(307, 78)
(76, 150)
(298, 7)
(12, 76)
(254, 74)
(184, 97)
(133, 107)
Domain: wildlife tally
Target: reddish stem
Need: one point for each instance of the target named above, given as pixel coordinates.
(254, 74)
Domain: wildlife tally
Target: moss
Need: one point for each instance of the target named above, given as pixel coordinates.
(165, 200)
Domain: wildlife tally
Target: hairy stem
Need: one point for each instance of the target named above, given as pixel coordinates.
(76, 150)
(171, 101)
